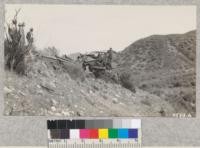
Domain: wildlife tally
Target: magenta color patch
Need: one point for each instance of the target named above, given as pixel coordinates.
(84, 133)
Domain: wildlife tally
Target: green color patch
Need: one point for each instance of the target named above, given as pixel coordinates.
(113, 133)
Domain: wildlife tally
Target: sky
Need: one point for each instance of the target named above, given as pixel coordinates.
(85, 28)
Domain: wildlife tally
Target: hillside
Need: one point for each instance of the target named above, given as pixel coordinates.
(160, 52)
(164, 65)
(162, 71)
(48, 90)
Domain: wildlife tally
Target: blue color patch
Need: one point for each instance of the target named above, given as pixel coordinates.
(133, 133)
(122, 133)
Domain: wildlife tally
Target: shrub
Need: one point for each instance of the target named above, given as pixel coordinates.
(14, 56)
(50, 51)
(192, 83)
(125, 81)
(74, 70)
(143, 86)
(110, 77)
(177, 84)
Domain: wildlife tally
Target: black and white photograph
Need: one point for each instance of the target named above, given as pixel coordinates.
(100, 60)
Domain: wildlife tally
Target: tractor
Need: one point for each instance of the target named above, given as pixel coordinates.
(96, 62)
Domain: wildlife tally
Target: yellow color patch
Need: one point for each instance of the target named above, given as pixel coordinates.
(103, 133)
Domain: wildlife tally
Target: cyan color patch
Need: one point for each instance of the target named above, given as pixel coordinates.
(122, 133)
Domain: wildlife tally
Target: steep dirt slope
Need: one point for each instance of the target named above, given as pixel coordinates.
(50, 90)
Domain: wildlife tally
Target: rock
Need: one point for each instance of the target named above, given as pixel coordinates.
(95, 87)
(105, 97)
(53, 108)
(75, 106)
(101, 112)
(50, 112)
(52, 84)
(65, 113)
(16, 97)
(72, 112)
(38, 86)
(82, 91)
(78, 113)
(49, 86)
(54, 102)
(7, 90)
(122, 103)
(58, 114)
(189, 115)
(115, 100)
(20, 92)
(40, 92)
(116, 95)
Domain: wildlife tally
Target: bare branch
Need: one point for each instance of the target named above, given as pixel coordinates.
(17, 12)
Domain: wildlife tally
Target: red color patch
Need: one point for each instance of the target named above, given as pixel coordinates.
(94, 134)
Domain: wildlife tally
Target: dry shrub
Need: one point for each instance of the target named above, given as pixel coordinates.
(74, 70)
(14, 56)
(50, 51)
(177, 84)
(143, 86)
(126, 81)
(146, 102)
(110, 77)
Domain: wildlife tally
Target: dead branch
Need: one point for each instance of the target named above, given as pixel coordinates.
(16, 13)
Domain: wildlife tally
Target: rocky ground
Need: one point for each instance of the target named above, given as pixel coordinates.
(65, 96)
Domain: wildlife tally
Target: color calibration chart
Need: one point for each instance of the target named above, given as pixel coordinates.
(101, 133)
